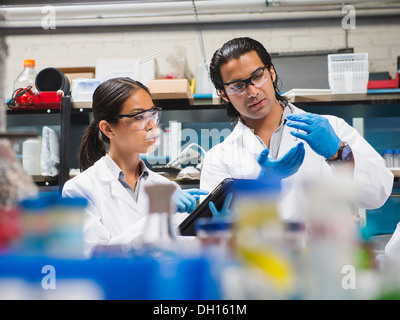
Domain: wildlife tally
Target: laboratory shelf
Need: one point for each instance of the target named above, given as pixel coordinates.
(73, 121)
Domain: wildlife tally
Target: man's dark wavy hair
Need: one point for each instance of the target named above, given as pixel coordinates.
(234, 49)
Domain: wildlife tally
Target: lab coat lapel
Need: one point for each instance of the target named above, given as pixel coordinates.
(287, 141)
(248, 152)
(117, 191)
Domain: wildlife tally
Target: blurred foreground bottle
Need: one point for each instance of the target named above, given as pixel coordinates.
(259, 241)
(332, 240)
(158, 233)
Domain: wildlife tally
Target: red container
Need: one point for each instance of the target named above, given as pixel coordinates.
(10, 225)
(384, 84)
(40, 100)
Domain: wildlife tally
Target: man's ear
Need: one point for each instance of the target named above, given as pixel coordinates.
(272, 73)
(223, 95)
(106, 129)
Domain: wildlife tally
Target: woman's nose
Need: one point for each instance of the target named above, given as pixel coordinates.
(151, 124)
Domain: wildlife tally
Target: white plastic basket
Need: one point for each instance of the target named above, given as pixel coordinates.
(348, 72)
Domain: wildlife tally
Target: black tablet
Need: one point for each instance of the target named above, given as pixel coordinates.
(187, 227)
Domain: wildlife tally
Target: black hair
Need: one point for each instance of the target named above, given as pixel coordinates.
(234, 49)
(108, 99)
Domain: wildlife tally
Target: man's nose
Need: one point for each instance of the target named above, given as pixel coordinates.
(251, 90)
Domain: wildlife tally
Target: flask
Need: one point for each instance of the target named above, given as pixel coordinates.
(27, 77)
(158, 233)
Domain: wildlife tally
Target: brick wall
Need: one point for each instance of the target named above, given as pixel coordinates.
(380, 41)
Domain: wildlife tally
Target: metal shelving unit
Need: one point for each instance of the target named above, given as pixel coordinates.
(205, 111)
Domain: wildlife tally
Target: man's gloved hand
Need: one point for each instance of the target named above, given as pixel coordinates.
(225, 210)
(283, 167)
(185, 200)
(316, 131)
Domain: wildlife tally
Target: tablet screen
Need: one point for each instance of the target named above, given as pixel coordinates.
(187, 227)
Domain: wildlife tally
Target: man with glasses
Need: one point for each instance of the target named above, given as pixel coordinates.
(272, 137)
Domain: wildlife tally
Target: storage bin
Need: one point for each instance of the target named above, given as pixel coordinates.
(82, 89)
(348, 73)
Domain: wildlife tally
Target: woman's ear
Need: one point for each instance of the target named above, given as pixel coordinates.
(106, 129)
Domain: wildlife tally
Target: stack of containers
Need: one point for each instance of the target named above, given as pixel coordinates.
(348, 73)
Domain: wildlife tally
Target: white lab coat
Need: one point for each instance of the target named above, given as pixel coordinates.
(112, 215)
(237, 156)
(392, 248)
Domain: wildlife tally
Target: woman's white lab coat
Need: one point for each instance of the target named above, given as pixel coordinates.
(237, 156)
(112, 215)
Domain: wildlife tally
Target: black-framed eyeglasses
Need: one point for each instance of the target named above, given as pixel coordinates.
(139, 120)
(238, 87)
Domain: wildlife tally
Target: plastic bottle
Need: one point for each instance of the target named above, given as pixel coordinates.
(396, 158)
(31, 150)
(388, 157)
(332, 239)
(259, 240)
(35, 224)
(216, 235)
(66, 236)
(27, 77)
(158, 233)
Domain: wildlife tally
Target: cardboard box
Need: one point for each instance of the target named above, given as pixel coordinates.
(170, 89)
(78, 72)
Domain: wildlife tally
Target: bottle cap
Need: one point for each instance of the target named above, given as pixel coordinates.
(29, 62)
(213, 224)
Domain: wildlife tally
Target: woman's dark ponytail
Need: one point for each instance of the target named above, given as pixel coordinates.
(92, 147)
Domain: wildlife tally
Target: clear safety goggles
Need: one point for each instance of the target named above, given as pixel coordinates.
(139, 120)
(238, 87)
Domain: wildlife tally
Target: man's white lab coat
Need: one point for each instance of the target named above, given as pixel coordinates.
(236, 157)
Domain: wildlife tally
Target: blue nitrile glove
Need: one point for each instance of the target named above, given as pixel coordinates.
(185, 200)
(316, 131)
(282, 167)
(225, 210)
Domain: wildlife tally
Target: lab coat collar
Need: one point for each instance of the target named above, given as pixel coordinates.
(246, 136)
(117, 173)
(108, 172)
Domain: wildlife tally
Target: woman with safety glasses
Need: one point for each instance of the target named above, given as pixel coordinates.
(113, 176)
